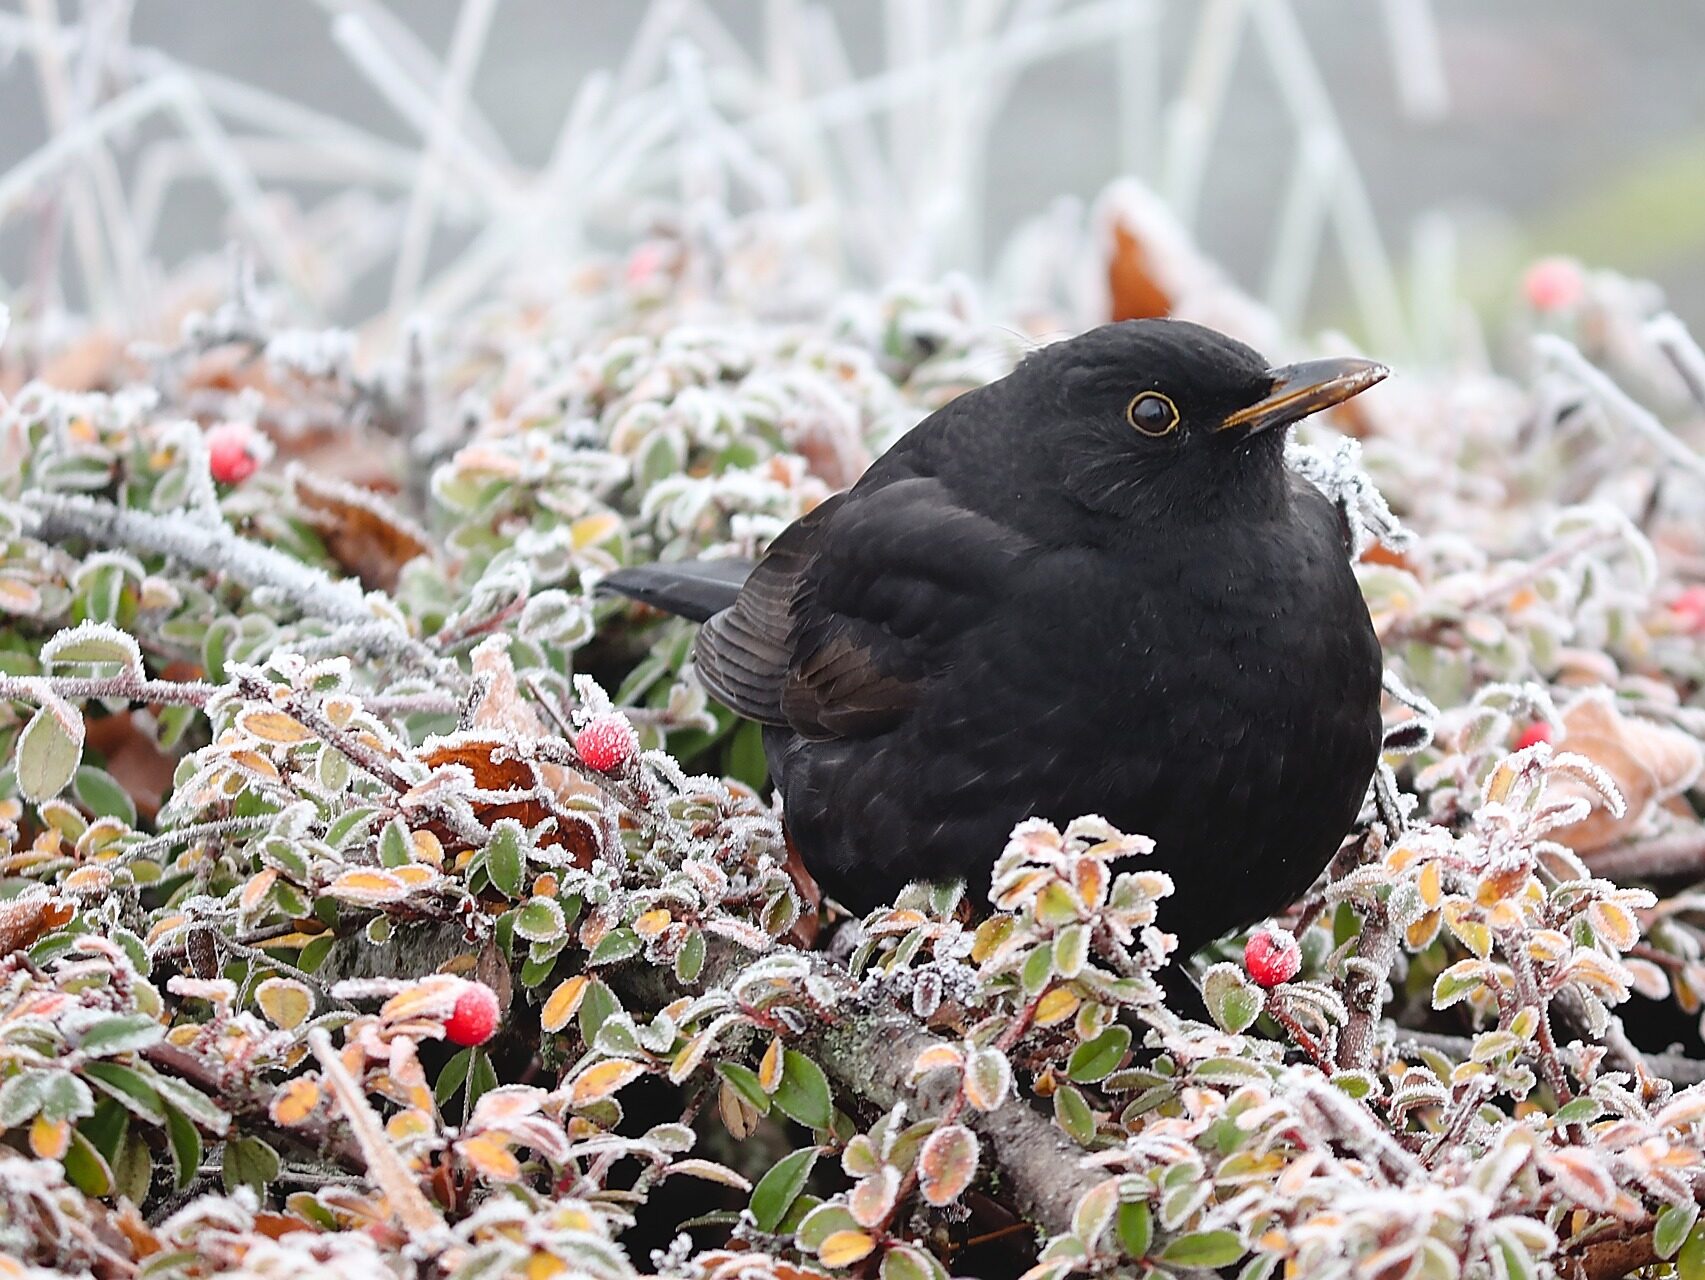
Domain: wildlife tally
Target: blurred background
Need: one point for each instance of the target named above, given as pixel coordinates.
(1353, 165)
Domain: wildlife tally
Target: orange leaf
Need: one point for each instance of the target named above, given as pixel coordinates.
(599, 1082)
(947, 1163)
(563, 1003)
(843, 1248)
(490, 1157)
(1058, 1005)
(769, 1070)
(256, 889)
(369, 886)
(273, 727)
(50, 1139)
(293, 1103)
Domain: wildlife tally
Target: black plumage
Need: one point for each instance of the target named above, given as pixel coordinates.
(1089, 587)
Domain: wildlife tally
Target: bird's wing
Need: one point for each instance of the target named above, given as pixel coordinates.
(743, 653)
(854, 608)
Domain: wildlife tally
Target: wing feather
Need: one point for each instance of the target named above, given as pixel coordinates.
(841, 625)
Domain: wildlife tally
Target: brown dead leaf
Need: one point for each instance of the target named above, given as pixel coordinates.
(95, 362)
(512, 776)
(28, 916)
(1155, 269)
(361, 531)
(810, 922)
(1649, 762)
(1134, 292)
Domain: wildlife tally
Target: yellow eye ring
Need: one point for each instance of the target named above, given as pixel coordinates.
(1152, 413)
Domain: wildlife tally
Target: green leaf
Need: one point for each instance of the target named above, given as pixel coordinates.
(1071, 950)
(482, 1078)
(535, 969)
(598, 1003)
(821, 1223)
(745, 1083)
(133, 1169)
(314, 954)
(49, 751)
(689, 961)
(121, 1033)
(906, 1262)
(100, 793)
(106, 1127)
(394, 848)
(780, 1187)
(540, 920)
(134, 948)
(65, 1097)
(615, 946)
(1097, 1058)
(452, 1077)
(193, 1103)
(248, 1162)
(746, 759)
(1038, 970)
(128, 1086)
(21, 1097)
(1233, 1001)
(1135, 1227)
(349, 824)
(186, 1146)
(1203, 1249)
(505, 859)
(85, 1168)
(1580, 1111)
(104, 649)
(803, 1092)
(1073, 1115)
(1674, 1225)
(1456, 982)
(1690, 1262)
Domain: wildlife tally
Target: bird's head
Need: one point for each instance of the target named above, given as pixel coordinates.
(1160, 415)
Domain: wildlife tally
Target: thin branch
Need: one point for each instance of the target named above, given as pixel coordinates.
(60, 518)
(1675, 853)
(132, 687)
(1678, 1069)
(1376, 953)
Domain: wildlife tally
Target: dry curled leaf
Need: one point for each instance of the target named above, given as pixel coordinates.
(1648, 762)
(362, 533)
(28, 916)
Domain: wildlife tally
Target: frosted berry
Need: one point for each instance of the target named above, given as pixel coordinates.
(1272, 956)
(1537, 732)
(1554, 284)
(1689, 609)
(475, 1016)
(607, 742)
(234, 452)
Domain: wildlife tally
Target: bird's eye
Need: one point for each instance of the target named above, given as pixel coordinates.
(1152, 413)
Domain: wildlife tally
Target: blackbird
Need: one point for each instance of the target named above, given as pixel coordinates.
(1092, 587)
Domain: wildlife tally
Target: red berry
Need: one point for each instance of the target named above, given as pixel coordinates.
(475, 1016)
(1537, 732)
(233, 453)
(1271, 956)
(1554, 284)
(1689, 609)
(607, 742)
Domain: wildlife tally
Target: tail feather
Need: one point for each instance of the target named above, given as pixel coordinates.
(696, 589)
